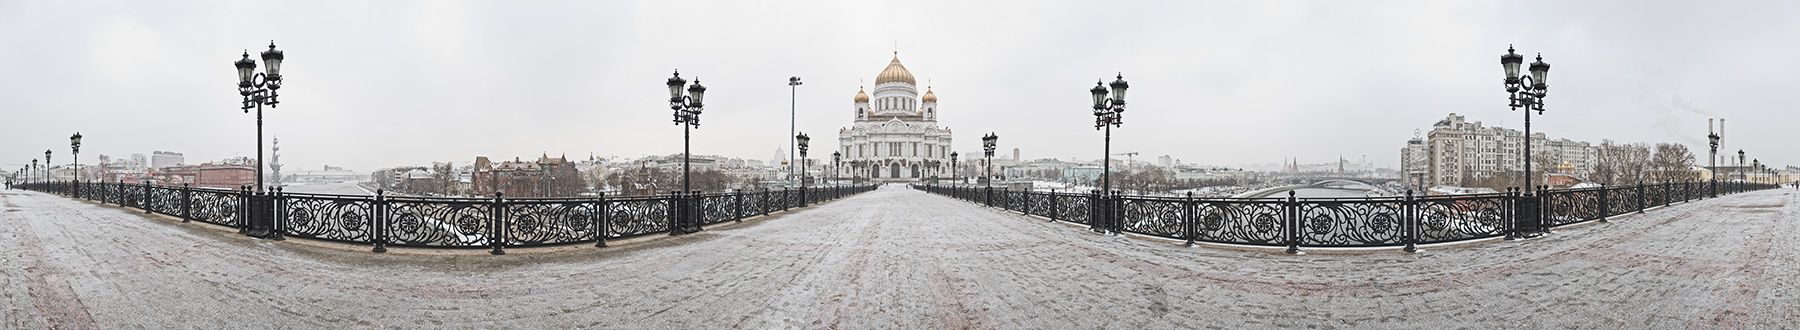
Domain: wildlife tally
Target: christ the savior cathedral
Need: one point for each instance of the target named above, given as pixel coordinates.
(895, 136)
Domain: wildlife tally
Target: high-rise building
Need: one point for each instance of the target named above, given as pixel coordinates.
(1458, 152)
(165, 159)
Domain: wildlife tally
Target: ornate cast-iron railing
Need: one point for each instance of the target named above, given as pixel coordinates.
(1343, 222)
(491, 223)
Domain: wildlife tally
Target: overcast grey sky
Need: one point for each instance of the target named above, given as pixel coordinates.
(381, 83)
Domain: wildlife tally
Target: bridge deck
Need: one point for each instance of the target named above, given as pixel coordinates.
(897, 258)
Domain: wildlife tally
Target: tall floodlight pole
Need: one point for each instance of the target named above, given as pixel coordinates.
(987, 146)
(793, 116)
(687, 114)
(260, 89)
(1527, 92)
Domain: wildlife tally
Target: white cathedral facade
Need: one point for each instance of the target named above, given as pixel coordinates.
(895, 136)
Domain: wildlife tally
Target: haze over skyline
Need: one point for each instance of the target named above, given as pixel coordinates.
(372, 85)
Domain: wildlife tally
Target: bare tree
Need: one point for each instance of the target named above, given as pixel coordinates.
(443, 178)
(1672, 163)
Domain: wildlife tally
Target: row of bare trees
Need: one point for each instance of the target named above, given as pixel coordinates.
(1631, 163)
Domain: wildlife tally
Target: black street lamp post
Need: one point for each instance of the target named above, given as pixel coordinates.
(955, 172)
(1527, 92)
(687, 113)
(260, 89)
(46, 167)
(987, 146)
(75, 152)
(1741, 177)
(1756, 165)
(1712, 156)
(803, 141)
(837, 159)
(1108, 113)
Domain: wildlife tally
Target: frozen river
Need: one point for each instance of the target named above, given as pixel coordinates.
(900, 259)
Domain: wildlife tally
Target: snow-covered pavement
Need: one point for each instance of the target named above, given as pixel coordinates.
(899, 258)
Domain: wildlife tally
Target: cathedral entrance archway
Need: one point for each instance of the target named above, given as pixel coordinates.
(915, 171)
(874, 171)
(896, 171)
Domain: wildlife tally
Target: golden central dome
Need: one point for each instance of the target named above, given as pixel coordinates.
(895, 73)
(861, 97)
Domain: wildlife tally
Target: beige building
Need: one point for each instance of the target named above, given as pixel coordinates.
(1457, 151)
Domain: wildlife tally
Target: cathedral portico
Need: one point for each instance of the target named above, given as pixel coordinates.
(894, 135)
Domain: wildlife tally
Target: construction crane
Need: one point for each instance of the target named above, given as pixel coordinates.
(1130, 157)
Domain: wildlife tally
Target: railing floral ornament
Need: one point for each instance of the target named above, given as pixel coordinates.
(1343, 222)
(490, 223)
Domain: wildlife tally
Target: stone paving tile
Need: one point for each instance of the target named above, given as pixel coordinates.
(898, 258)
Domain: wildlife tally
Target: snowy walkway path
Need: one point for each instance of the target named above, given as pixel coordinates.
(898, 258)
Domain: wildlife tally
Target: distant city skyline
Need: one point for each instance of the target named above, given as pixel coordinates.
(374, 85)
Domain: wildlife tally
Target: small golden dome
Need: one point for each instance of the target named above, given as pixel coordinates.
(895, 73)
(929, 97)
(861, 97)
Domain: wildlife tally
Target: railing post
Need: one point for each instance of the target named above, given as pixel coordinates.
(765, 204)
(1409, 222)
(694, 211)
(674, 212)
(1188, 211)
(187, 203)
(1543, 209)
(144, 202)
(1054, 212)
(243, 210)
(1667, 187)
(279, 201)
(1025, 198)
(1641, 197)
(990, 196)
(1512, 213)
(1291, 211)
(600, 221)
(1116, 211)
(496, 225)
(737, 197)
(379, 224)
(1094, 214)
